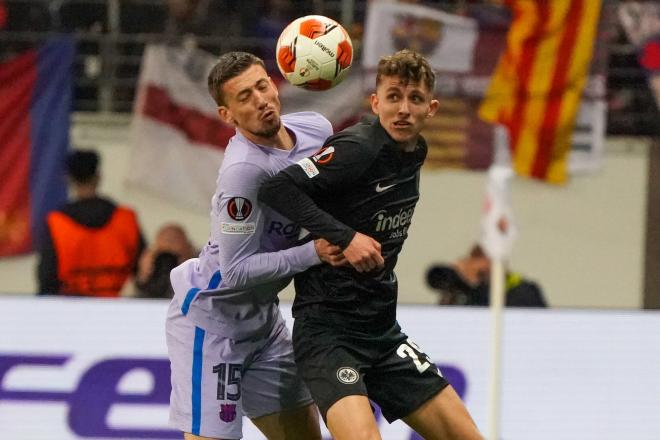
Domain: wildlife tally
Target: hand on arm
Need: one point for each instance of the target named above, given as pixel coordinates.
(294, 192)
(329, 253)
(363, 253)
(241, 260)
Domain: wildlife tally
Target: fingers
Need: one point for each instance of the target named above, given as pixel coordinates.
(338, 260)
(363, 253)
(329, 253)
(369, 263)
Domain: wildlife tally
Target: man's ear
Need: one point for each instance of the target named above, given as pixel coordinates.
(374, 103)
(433, 107)
(225, 115)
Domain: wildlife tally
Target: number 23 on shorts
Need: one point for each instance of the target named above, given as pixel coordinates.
(411, 350)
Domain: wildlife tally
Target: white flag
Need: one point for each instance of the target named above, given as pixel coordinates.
(177, 138)
(498, 229)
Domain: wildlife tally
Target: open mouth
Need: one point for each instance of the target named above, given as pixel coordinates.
(267, 114)
(402, 124)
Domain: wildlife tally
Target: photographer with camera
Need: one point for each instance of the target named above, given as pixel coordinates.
(171, 247)
(467, 282)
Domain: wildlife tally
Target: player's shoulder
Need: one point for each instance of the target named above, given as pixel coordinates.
(243, 160)
(241, 151)
(364, 135)
(312, 123)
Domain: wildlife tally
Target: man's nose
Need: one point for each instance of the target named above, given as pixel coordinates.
(261, 100)
(403, 106)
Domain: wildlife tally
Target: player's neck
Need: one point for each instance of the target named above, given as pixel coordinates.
(283, 139)
(410, 146)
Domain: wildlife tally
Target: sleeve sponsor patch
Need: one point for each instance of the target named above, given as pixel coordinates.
(239, 208)
(237, 228)
(308, 167)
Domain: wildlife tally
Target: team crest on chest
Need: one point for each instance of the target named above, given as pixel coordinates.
(227, 412)
(239, 208)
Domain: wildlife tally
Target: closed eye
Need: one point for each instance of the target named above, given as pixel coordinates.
(262, 85)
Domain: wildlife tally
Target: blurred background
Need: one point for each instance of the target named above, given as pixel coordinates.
(126, 79)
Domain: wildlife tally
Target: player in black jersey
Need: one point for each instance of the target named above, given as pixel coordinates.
(359, 192)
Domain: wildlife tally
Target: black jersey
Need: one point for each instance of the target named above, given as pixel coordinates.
(361, 180)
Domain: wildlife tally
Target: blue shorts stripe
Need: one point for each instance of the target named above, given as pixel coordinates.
(189, 297)
(197, 381)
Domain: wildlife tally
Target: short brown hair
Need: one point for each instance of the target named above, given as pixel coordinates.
(229, 65)
(408, 65)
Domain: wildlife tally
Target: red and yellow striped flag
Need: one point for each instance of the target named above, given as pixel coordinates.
(537, 85)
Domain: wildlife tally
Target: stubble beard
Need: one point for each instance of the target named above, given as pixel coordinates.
(268, 131)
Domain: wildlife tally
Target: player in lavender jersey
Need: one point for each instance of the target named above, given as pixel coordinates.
(230, 351)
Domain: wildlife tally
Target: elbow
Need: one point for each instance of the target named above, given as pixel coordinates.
(238, 277)
(233, 279)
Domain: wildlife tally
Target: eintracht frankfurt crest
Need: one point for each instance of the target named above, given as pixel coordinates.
(347, 375)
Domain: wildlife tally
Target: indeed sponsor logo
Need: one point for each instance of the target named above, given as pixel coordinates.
(386, 222)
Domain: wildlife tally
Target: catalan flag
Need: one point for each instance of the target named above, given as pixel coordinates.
(539, 80)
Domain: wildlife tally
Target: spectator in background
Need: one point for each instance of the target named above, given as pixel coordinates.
(467, 282)
(170, 248)
(92, 245)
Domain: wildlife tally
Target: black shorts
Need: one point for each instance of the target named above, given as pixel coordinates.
(387, 367)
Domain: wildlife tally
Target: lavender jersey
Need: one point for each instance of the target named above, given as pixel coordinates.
(231, 289)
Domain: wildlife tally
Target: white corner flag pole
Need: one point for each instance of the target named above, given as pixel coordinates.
(496, 308)
(498, 232)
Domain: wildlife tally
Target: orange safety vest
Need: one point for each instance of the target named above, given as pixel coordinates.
(95, 261)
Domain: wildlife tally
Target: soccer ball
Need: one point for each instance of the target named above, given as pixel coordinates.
(314, 52)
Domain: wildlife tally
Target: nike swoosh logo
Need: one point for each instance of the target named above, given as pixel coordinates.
(383, 188)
